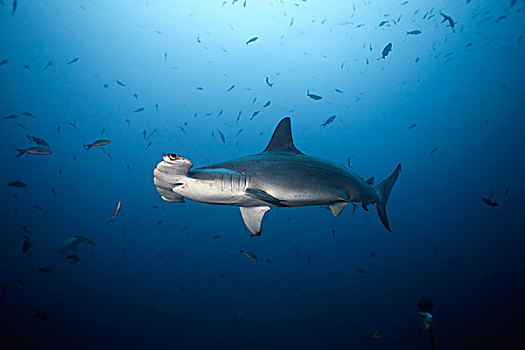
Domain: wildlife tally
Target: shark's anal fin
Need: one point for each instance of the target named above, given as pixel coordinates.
(337, 207)
(253, 217)
(264, 196)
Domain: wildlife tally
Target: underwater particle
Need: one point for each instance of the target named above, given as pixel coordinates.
(20, 282)
(251, 40)
(489, 202)
(348, 161)
(33, 150)
(49, 64)
(27, 244)
(17, 184)
(216, 237)
(386, 51)
(338, 91)
(375, 334)
(329, 121)
(115, 212)
(414, 32)
(313, 96)
(138, 110)
(268, 261)
(101, 142)
(120, 83)
(361, 270)
(74, 60)
(249, 255)
(45, 269)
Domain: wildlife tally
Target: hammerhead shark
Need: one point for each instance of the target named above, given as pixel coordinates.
(280, 176)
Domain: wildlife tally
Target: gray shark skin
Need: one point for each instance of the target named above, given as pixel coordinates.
(279, 176)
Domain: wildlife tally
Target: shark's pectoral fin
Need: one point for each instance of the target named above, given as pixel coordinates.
(264, 196)
(337, 207)
(252, 217)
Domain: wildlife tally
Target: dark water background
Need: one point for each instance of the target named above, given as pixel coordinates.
(154, 279)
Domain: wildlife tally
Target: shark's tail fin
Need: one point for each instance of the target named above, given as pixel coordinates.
(20, 152)
(383, 191)
(168, 175)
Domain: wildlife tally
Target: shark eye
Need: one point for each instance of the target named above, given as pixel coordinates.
(173, 156)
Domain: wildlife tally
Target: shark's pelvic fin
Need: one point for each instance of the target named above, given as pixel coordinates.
(281, 140)
(264, 196)
(383, 190)
(370, 180)
(252, 217)
(337, 207)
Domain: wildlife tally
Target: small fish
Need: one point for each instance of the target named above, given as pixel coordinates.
(120, 83)
(489, 202)
(33, 150)
(17, 184)
(199, 39)
(74, 124)
(268, 82)
(200, 88)
(434, 150)
(447, 18)
(74, 60)
(100, 142)
(231, 88)
(136, 96)
(72, 243)
(27, 114)
(49, 64)
(20, 282)
(140, 109)
(254, 114)
(339, 91)
(156, 107)
(414, 32)
(223, 139)
(41, 315)
(27, 244)
(45, 269)
(412, 126)
(361, 270)
(313, 96)
(328, 121)
(249, 255)
(39, 141)
(348, 161)
(267, 104)
(22, 126)
(386, 51)
(73, 258)
(220, 113)
(269, 261)
(383, 23)
(106, 86)
(238, 117)
(115, 212)
(217, 237)
(4, 61)
(372, 255)
(15, 4)
(252, 40)
(53, 191)
(11, 116)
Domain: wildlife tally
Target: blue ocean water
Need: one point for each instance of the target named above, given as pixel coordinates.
(157, 77)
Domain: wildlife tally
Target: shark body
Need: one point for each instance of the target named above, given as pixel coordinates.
(279, 176)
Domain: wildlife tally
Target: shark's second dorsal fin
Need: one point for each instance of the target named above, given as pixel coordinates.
(281, 140)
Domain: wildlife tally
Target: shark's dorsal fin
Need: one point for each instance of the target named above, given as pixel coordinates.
(281, 140)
